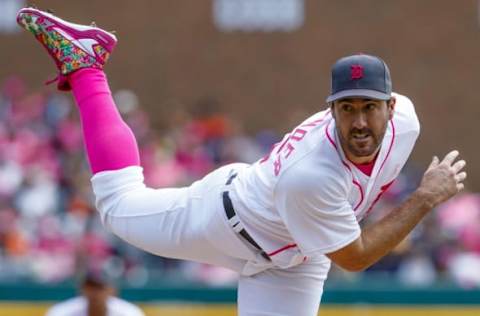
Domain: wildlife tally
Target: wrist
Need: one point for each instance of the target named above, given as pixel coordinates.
(424, 199)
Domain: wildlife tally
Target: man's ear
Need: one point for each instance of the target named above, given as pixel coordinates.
(391, 107)
(332, 109)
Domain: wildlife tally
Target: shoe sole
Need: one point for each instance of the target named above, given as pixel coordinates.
(71, 31)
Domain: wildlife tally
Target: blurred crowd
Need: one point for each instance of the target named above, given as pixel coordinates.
(49, 230)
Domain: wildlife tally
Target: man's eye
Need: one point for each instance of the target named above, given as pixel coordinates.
(346, 108)
(370, 106)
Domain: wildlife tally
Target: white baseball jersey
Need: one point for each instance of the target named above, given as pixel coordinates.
(306, 198)
(302, 201)
(77, 306)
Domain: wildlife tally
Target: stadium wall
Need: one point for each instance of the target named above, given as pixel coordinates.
(171, 54)
(373, 300)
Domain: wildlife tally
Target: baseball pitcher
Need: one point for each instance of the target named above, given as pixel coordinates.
(280, 221)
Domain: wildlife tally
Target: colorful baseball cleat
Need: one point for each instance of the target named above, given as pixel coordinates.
(72, 46)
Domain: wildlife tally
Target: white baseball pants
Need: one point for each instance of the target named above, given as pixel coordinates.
(190, 223)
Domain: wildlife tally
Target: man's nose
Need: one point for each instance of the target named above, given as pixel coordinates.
(360, 121)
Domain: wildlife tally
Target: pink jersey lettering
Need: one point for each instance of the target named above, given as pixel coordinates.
(298, 134)
(287, 148)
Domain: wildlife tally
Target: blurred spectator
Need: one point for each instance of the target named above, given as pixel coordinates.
(96, 299)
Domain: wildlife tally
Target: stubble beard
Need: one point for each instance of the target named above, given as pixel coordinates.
(366, 151)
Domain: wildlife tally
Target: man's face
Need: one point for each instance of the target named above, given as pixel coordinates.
(97, 294)
(361, 125)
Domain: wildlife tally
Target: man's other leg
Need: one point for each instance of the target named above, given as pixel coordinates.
(294, 291)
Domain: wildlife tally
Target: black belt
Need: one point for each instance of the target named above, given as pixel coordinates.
(230, 211)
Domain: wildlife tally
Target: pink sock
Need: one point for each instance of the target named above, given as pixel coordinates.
(109, 141)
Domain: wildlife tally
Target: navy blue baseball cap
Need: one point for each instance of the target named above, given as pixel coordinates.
(361, 75)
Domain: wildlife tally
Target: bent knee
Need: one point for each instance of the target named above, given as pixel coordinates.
(114, 186)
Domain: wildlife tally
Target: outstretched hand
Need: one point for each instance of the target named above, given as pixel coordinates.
(443, 179)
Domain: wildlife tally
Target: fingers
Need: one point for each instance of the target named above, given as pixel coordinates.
(458, 165)
(434, 163)
(450, 157)
(461, 176)
(455, 168)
